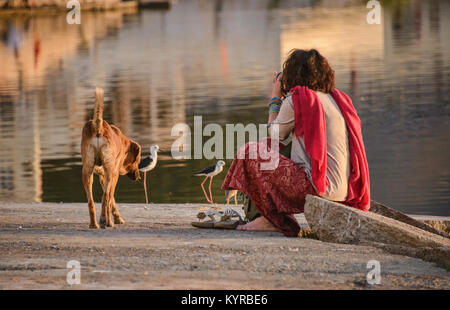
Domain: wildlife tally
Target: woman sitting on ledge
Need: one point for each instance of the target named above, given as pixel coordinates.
(327, 156)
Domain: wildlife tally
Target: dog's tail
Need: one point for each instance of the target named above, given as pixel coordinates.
(98, 111)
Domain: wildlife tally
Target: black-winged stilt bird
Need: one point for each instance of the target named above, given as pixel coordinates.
(210, 172)
(148, 163)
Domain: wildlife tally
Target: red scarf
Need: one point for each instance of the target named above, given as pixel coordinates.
(310, 123)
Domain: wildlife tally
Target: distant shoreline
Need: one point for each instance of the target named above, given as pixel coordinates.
(61, 5)
(55, 8)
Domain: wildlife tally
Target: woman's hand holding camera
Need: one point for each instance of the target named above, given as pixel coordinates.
(275, 101)
(276, 83)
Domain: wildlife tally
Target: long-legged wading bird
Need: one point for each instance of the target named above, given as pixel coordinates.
(147, 164)
(210, 172)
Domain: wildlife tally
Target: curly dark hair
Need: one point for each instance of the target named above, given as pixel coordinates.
(307, 68)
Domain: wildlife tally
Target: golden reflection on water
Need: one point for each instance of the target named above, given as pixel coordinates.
(215, 58)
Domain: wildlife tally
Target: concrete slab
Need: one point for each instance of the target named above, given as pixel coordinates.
(157, 248)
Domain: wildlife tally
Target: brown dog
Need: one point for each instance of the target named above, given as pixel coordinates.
(106, 151)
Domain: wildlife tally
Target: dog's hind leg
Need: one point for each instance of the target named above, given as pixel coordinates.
(87, 183)
(115, 211)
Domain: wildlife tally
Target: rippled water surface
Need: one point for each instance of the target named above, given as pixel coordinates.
(215, 58)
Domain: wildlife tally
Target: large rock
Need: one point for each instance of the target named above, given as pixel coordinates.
(335, 222)
(436, 227)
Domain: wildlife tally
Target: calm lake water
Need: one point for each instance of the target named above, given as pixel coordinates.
(215, 59)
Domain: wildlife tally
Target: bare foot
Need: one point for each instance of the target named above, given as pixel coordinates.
(259, 224)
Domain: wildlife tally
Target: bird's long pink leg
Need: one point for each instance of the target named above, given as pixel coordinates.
(206, 196)
(210, 194)
(145, 187)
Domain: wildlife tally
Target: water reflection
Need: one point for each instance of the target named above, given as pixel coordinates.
(213, 58)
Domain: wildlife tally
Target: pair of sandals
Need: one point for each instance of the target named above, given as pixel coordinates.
(228, 219)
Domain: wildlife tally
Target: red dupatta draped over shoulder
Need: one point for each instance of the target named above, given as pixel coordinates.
(310, 123)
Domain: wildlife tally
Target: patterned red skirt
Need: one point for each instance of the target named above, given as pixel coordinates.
(277, 193)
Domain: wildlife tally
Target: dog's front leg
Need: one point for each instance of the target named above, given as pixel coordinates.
(115, 211)
(108, 192)
(108, 201)
(112, 204)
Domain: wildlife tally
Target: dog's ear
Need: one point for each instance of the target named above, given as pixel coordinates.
(134, 152)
